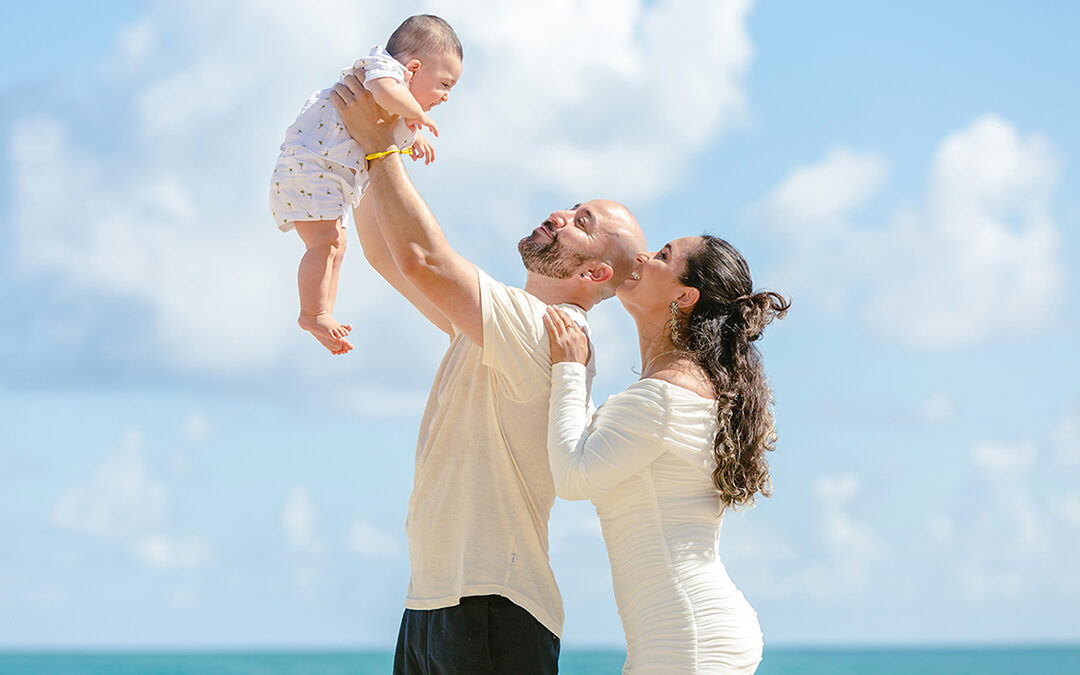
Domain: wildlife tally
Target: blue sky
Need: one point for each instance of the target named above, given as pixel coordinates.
(181, 466)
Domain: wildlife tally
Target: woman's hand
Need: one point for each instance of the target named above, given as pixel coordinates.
(568, 341)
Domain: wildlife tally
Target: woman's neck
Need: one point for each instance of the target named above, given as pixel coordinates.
(657, 350)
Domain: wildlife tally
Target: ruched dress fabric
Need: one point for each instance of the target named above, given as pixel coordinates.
(646, 461)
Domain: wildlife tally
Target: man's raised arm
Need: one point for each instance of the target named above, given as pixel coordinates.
(412, 234)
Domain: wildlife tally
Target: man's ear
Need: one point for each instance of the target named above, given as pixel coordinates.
(688, 298)
(598, 272)
(413, 65)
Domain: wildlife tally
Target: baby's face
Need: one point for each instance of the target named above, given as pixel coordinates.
(432, 78)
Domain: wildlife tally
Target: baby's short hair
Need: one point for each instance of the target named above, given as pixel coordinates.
(421, 35)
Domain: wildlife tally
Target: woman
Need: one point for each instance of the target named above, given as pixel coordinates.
(664, 458)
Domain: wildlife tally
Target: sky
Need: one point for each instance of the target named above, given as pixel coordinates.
(181, 466)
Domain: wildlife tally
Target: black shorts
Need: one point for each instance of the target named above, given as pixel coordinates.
(483, 634)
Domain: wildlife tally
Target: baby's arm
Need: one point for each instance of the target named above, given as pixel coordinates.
(394, 97)
(422, 149)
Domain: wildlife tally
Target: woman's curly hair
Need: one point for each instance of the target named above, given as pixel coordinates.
(719, 332)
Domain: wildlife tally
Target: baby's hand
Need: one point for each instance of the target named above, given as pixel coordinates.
(422, 148)
(568, 341)
(417, 123)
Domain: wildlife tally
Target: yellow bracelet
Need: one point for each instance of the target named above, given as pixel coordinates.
(384, 153)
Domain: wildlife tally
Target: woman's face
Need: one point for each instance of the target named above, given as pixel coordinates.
(654, 281)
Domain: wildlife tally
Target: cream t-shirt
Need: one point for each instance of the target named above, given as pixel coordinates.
(482, 490)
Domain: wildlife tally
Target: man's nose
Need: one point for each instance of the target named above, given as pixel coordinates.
(643, 258)
(559, 218)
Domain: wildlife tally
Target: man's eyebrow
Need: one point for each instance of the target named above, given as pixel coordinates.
(667, 247)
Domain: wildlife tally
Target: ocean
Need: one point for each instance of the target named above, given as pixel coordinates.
(777, 661)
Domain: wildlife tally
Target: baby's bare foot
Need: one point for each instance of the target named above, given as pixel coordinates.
(328, 331)
(324, 325)
(336, 347)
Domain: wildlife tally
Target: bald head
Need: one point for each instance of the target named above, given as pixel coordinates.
(623, 239)
(595, 242)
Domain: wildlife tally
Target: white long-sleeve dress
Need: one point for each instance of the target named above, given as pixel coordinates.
(646, 461)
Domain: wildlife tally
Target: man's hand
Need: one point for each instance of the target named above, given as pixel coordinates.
(422, 149)
(367, 123)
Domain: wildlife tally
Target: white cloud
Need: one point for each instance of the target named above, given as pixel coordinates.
(161, 551)
(810, 211)
(815, 200)
(305, 578)
(941, 528)
(577, 88)
(836, 491)
(981, 261)
(1005, 468)
(1065, 440)
(1067, 508)
(120, 500)
(978, 262)
(756, 546)
(146, 242)
(368, 541)
(939, 407)
(1002, 461)
(372, 400)
(197, 427)
(50, 595)
(169, 215)
(840, 563)
(1018, 541)
(210, 92)
(852, 545)
(298, 521)
(135, 41)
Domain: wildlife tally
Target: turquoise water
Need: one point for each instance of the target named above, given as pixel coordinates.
(994, 661)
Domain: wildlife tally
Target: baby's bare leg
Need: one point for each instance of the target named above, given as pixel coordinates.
(317, 281)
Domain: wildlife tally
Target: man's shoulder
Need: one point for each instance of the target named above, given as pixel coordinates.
(525, 302)
(497, 289)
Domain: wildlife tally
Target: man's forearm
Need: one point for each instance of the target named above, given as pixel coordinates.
(409, 228)
(382, 261)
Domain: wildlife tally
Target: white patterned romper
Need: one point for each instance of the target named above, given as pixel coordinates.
(321, 171)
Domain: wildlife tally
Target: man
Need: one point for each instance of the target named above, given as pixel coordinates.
(482, 596)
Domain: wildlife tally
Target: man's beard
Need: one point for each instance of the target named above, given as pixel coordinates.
(549, 259)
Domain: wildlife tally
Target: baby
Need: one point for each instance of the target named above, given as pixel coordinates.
(321, 171)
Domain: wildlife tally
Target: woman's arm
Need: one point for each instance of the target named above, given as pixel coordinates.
(624, 438)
